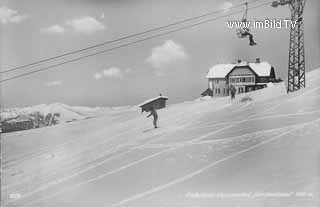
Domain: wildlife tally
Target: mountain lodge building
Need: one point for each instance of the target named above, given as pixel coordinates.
(244, 76)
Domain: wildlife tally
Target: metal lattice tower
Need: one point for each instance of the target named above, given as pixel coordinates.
(296, 65)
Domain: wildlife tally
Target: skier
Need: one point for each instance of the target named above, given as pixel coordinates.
(244, 32)
(251, 41)
(233, 92)
(155, 116)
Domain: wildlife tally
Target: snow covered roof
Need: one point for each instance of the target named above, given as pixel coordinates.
(152, 99)
(262, 69)
(221, 70)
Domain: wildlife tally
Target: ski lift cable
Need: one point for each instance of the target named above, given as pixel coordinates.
(128, 44)
(122, 38)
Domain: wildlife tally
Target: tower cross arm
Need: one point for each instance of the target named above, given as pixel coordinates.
(282, 2)
(293, 4)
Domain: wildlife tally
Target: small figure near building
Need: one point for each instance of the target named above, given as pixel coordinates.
(232, 92)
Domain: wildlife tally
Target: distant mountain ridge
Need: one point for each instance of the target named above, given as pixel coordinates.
(67, 113)
(14, 119)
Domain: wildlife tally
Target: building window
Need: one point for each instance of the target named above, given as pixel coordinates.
(250, 79)
(242, 80)
(218, 90)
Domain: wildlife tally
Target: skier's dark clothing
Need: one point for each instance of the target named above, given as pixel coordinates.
(251, 41)
(155, 117)
(232, 95)
(232, 92)
(244, 32)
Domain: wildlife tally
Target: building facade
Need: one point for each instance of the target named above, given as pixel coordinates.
(16, 124)
(244, 76)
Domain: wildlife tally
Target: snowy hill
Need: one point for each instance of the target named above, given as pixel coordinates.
(212, 152)
(66, 113)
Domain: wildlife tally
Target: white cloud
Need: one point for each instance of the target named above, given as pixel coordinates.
(97, 76)
(226, 6)
(159, 73)
(86, 25)
(166, 54)
(112, 72)
(54, 83)
(54, 29)
(8, 15)
(128, 70)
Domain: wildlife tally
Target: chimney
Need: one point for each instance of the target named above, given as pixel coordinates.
(239, 61)
(257, 60)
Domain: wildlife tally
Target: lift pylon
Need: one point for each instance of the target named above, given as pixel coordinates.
(296, 64)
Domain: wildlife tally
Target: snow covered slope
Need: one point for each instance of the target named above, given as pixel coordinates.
(215, 152)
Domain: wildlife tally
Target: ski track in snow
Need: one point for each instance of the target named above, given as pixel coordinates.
(146, 145)
(201, 170)
(193, 141)
(150, 157)
(43, 151)
(107, 152)
(174, 147)
(84, 170)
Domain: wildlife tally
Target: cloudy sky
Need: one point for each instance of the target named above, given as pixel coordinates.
(174, 64)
